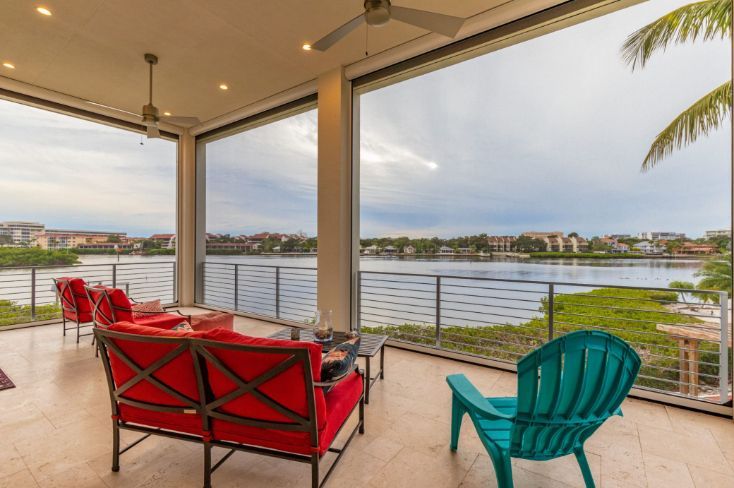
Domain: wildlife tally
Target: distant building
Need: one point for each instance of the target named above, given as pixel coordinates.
(167, 241)
(408, 249)
(579, 244)
(233, 246)
(502, 243)
(712, 234)
(542, 235)
(619, 236)
(21, 233)
(620, 247)
(647, 247)
(53, 239)
(390, 250)
(661, 236)
(464, 250)
(692, 249)
(445, 250)
(370, 250)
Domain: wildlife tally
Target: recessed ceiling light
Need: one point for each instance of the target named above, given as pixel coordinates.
(43, 11)
(306, 47)
(9, 65)
(223, 87)
(167, 114)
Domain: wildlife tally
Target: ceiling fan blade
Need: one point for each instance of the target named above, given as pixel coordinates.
(152, 132)
(332, 38)
(446, 25)
(182, 121)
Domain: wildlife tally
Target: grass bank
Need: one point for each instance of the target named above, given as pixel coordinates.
(33, 256)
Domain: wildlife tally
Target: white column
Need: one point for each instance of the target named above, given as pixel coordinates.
(335, 241)
(186, 213)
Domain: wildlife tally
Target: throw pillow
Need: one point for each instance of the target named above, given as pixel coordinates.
(145, 309)
(339, 362)
(183, 326)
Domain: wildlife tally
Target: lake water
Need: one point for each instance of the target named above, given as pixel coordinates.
(146, 280)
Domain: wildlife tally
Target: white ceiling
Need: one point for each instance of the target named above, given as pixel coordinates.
(93, 49)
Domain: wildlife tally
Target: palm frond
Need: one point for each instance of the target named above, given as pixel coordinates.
(708, 19)
(716, 275)
(707, 114)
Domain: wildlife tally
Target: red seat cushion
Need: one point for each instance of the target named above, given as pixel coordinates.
(288, 388)
(178, 374)
(212, 320)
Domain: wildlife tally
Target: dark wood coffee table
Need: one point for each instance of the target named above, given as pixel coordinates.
(369, 346)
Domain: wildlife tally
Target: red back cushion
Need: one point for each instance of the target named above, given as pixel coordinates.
(82, 300)
(121, 306)
(178, 374)
(287, 388)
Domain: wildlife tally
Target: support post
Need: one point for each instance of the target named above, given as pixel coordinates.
(335, 235)
(724, 348)
(186, 202)
(277, 292)
(33, 294)
(114, 276)
(236, 286)
(551, 299)
(438, 311)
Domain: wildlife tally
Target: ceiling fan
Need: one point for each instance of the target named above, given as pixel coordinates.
(150, 111)
(380, 12)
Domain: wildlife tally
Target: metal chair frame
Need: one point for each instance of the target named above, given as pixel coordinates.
(61, 285)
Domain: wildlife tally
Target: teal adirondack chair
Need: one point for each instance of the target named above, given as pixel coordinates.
(566, 390)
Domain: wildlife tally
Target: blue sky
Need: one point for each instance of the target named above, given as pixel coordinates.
(547, 134)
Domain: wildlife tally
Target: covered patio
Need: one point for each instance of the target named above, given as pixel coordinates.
(217, 70)
(54, 431)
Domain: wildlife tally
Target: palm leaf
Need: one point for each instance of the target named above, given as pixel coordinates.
(708, 19)
(716, 275)
(704, 116)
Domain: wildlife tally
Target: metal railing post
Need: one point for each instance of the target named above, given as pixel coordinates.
(724, 348)
(550, 311)
(358, 300)
(114, 276)
(174, 291)
(33, 294)
(438, 311)
(277, 292)
(236, 286)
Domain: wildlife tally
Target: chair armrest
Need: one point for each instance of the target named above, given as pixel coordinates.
(472, 398)
(325, 384)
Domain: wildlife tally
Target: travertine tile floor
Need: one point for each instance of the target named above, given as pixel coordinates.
(55, 431)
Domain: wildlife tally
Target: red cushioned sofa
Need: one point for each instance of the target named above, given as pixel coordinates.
(75, 306)
(110, 305)
(223, 389)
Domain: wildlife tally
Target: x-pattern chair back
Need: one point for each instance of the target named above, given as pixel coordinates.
(145, 373)
(67, 298)
(294, 357)
(97, 297)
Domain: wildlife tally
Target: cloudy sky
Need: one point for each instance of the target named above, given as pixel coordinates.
(548, 134)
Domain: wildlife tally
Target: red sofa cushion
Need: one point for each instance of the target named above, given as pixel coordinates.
(75, 292)
(287, 388)
(178, 374)
(212, 320)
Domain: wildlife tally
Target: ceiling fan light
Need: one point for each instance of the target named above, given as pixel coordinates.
(167, 114)
(377, 12)
(306, 47)
(9, 65)
(43, 11)
(223, 87)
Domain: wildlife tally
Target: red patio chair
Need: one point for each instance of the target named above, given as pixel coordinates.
(110, 305)
(75, 306)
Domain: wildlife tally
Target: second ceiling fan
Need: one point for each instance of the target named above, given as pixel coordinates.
(380, 12)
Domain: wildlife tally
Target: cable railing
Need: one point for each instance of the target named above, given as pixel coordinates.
(681, 335)
(27, 294)
(279, 292)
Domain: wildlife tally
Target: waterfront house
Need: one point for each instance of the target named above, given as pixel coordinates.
(647, 247)
(71, 239)
(692, 248)
(409, 249)
(501, 243)
(167, 241)
(371, 250)
(389, 250)
(464, 250)
(445, 250)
